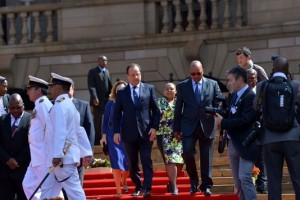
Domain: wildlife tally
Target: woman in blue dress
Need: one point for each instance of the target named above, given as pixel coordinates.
(117, 154)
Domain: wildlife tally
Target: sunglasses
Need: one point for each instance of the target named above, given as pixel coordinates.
(198, 74)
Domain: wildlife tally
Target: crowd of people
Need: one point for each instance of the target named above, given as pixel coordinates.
(56, 139)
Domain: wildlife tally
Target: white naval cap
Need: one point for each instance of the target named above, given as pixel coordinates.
(36, 82)
(59, 80)
(2, 78)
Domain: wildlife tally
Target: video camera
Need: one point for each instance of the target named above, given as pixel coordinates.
(221, 109)
(253, 135)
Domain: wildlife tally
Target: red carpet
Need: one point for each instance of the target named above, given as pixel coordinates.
(102, 186)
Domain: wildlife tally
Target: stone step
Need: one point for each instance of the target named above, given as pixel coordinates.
(284, 197)
(222, 177)
(219, 160)
(156, 156)
(287, 188)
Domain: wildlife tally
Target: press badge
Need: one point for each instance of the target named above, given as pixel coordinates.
(233, 110)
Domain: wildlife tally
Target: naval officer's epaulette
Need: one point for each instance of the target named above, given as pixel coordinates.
(60, 100)
(41, 100)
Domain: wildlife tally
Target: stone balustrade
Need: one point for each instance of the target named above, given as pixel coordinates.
(39, 23)
(198, 15)
(28, 24)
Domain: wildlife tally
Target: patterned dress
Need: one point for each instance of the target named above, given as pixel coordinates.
(172, 149)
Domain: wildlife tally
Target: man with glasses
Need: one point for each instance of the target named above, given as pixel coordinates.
(243, 56)
(37, 92)
(191, 124)
(4, 98)
(62, 128)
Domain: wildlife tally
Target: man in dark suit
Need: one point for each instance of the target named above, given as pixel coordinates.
(86, 121)
(280, 146)
(191, 123)
(99, 84)
(14, 149)
(4, 98)
(239, 125)
(136, 120)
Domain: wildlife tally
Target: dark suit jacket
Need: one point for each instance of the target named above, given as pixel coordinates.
(6, 102)
(16, 147)
(96, 85)
(293, 134)
(136, 120)
(188, 113)
(239, 125)
(86, 119)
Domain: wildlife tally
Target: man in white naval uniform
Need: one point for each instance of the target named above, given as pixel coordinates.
(4, 97)
(37, 169)
(62, 128)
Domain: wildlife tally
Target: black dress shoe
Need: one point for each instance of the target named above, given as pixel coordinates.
(147, 193)
(169, 187)
(193, 189)
(261, 191)
(207, 192)
(137, 192)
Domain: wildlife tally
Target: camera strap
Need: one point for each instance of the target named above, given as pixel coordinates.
(261, 91)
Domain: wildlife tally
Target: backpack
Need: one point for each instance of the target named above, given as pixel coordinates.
(278, 105)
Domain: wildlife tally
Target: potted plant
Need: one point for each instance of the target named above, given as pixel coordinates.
(99, 166)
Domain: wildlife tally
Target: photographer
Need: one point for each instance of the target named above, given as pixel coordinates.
(239, 125)
(279, 145)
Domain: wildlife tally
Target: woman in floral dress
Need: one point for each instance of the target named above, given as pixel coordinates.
(170, 148)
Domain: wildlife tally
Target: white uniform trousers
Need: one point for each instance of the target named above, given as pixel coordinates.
(67, 178)
(33, 177)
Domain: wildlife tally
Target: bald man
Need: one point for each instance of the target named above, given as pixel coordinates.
(14, 149)
(280, 146)
(191, 123)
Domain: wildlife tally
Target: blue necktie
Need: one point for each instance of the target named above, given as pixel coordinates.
(234, 99)
(197, 94)
(14, 128)
(135, 96)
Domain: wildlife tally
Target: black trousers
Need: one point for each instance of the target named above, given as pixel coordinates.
(206, 153)
(98, 114)
(142, 148)
(274, 156)
(10, 188)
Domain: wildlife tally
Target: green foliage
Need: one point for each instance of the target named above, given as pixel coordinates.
(98, 162)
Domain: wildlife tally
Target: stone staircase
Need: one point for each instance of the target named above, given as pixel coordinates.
(222, 177)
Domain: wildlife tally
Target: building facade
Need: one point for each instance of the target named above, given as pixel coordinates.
(163, 36)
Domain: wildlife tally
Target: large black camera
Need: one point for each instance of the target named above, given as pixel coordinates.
(221, 109)
(253, 135)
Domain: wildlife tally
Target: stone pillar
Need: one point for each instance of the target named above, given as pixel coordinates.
(165, 20)
(191, 16)
(178, 18)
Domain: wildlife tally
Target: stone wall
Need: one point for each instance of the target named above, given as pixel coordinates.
(158, 63)
(270, 12)
(102, 21)
(134, 40)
